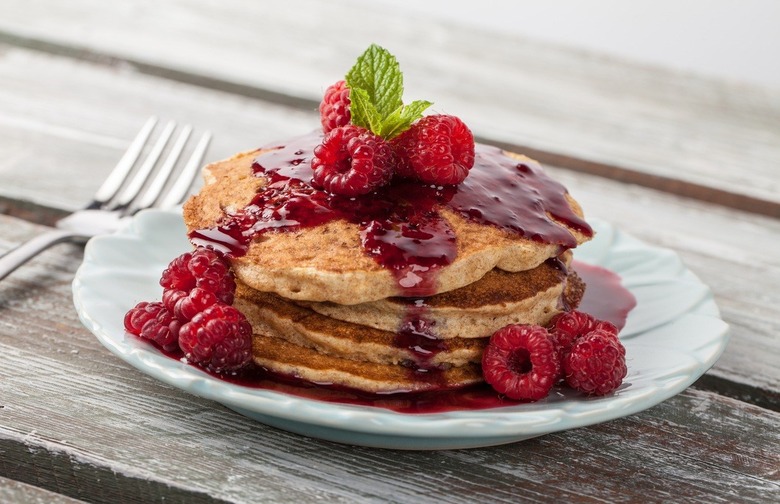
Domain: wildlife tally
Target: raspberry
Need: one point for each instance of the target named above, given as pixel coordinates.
(567, 327)
(219, 338)
(185, 305)
(335, 107)
(351, 161)
(154, 322)
(520, 362)
(596, 363)
(202, 268)
(437, 149)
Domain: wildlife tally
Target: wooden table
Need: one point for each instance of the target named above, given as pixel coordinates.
(676, 160)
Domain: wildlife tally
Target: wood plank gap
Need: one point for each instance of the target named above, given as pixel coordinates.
(661, 183)
(81, 480)
(617, 173)
(31, 211)
(752, 395)
(195, 79)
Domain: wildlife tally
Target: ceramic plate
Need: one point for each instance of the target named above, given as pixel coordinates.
(672, 337)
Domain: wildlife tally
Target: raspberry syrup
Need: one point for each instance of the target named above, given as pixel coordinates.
(605, 297)
(401, 226)
(417, 334)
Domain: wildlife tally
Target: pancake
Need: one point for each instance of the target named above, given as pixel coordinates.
(296, 341)
(282, 357)
(479, 309)
(271, 315)
(329, 262)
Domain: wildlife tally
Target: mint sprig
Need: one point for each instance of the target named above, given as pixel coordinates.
(376, 94)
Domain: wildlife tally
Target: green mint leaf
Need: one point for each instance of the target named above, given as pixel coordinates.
(414, 110)
(377, 72)
(376, 94)
(402, 118)
(363, 110)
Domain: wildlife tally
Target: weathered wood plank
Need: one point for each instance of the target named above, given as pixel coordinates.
(566, 105)
(15, 492)
(64, 149)
(59, 142)
(72, 409)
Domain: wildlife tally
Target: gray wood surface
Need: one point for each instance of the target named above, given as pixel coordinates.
(59, 142)
(14, 491)
(661, 128)
(676, 158)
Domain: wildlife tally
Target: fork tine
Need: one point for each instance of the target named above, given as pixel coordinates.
(135, 185)
(182, 186)
(113, 182)
(163, 174)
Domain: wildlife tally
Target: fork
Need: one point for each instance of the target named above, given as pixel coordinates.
(120, 196)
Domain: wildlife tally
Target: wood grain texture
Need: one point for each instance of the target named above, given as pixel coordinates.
(13, 491)
(69, 408)
(70, 144)
(77, 421)
(569, 105)
(59, 142)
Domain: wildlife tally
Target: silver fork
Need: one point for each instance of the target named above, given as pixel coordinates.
(121, 196)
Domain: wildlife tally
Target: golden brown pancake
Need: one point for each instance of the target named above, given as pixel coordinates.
(283, 357)
(271, 315)
(294, 340)
(479, 309)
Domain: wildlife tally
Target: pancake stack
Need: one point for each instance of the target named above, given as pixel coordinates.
(396, 291)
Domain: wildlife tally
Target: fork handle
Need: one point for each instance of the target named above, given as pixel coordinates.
(29, 249)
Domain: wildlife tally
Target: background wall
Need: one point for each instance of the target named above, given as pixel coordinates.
(734, 39)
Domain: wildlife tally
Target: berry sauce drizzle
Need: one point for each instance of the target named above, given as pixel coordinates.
(417, 333)
(605, 298)
(401, 225)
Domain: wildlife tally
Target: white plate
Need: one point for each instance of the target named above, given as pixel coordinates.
(672, 337)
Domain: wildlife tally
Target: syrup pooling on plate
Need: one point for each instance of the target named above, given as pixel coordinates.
(401, 225)
(605, 297)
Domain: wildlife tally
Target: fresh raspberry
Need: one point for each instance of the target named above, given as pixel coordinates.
(437, 149)
(351, 161)
(596, 364)
(219, 338)
(335, 107)
(202, 268)
(154, 322)
(185, 305)
(567, 327)
(520, 362)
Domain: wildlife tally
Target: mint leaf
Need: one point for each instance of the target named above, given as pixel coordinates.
(402, 118)
(377, 72)
(376, 88)
(363, 110)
